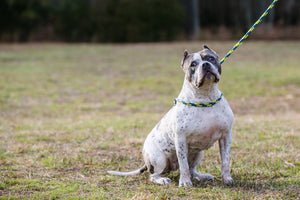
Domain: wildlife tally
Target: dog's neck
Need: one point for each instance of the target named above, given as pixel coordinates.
(206, 93)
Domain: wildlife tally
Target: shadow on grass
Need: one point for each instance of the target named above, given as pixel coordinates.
(257, 185)
(242, 188)
(254, 185)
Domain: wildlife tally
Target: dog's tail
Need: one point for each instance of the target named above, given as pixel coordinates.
(132, 173)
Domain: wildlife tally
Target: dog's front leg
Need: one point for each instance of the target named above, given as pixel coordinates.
(182, 155)
(225, 144)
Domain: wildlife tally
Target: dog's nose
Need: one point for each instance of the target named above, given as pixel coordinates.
(206, 66)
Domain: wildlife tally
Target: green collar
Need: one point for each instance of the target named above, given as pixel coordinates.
(210, 104)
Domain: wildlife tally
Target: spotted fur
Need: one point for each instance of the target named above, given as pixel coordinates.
(181, 136)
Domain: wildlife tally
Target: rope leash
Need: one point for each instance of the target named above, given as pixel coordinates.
(249, 31)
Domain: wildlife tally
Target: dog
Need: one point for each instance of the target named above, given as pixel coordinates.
(200, 117)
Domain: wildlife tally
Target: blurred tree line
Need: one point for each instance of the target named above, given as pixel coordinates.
(135, 20)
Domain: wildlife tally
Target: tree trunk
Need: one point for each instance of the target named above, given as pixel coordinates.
(248, 16)
(196, 24)
(234, 4)
(289, 11)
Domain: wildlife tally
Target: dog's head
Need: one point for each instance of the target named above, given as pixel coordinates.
(201, 68)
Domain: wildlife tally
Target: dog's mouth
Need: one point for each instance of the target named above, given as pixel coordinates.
(208, 75)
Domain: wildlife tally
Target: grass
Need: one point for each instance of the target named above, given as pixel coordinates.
(70, 112)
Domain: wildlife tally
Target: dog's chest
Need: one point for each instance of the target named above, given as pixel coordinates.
(204, 126)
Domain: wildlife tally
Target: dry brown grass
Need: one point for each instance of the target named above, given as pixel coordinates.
(70, 112)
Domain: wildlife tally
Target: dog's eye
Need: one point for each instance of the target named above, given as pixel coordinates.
(194, 64)
(211, 59)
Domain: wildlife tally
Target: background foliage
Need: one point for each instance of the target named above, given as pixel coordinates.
(134, 20)
(137, 20)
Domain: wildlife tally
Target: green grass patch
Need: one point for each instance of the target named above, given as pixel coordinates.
(69, 113)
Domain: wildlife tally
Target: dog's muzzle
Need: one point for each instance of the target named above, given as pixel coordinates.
(208, 72)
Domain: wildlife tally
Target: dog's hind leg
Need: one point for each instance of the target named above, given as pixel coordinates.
(157, 165)
(156, 177)
(194, 162)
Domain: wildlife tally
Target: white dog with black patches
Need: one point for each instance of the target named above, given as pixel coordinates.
(200, 117)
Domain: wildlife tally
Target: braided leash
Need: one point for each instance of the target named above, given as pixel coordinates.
(210, 104)
(249, 31)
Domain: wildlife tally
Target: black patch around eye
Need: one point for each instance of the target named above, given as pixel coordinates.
(211, 59)
(194, 64)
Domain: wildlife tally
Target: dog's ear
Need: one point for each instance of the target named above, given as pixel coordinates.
(185, 66)
(185, 55)
(206, 47)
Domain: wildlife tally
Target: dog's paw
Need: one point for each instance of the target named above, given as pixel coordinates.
(203, 177)
(160, 180)
(185, 182)
(228, 180)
